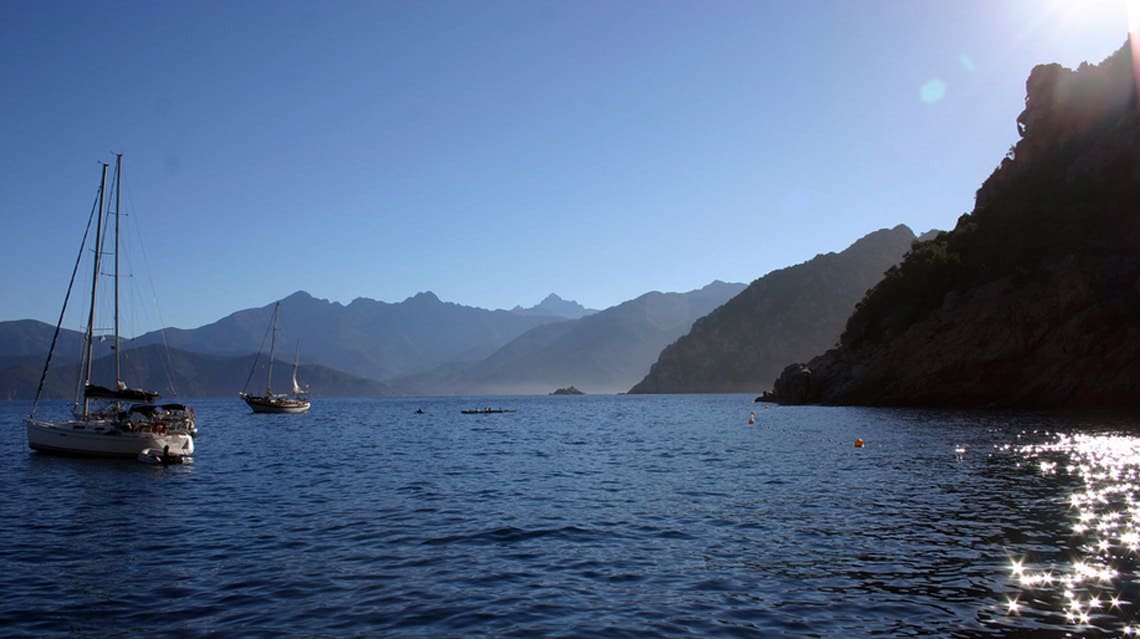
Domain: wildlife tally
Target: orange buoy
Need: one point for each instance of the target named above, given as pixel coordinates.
(858, 443)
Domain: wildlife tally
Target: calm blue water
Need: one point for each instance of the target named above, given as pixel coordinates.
(595, 516)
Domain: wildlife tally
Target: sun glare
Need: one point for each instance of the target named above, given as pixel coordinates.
(1070, 20)
(1083, 13)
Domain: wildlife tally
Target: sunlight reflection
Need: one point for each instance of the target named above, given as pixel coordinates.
(1093, 586)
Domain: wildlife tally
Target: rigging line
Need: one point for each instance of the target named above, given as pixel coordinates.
(136, 229)
(63, 311)
(89, 343)
(256, 358)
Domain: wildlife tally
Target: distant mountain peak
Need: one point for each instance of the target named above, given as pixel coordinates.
(555, 306)
(719, 284)
(424, 297)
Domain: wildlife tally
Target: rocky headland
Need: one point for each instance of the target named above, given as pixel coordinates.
(1033, 299)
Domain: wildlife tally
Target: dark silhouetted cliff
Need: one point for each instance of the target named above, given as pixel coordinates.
(1033, 300)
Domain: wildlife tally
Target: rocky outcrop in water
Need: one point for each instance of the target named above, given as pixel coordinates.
(569, 390)
(1033, 300)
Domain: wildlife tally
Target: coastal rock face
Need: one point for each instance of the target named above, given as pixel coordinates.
(786, 315)
(1033, 300)
(793, 386)
(999, 345)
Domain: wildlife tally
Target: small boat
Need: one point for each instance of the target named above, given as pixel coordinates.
(106, 420)
(272, 402)
(163, 457)
(484, 411)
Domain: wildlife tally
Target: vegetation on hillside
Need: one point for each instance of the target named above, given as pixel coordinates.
(1069, 187)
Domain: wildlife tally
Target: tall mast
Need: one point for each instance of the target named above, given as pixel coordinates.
(94, 286)
(118, 191)
(296, 360)
(272, 348)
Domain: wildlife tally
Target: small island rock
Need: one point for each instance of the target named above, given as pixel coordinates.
(569, 390)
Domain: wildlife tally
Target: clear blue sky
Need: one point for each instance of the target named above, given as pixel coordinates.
(496, 151)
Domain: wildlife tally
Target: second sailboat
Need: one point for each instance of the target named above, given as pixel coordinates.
(270, 402)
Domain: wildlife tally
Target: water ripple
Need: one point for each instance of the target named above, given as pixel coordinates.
(621, 516)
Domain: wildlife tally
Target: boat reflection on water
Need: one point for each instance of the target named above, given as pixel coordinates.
(1089, 583)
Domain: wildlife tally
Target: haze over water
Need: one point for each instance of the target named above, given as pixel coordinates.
(614, 516)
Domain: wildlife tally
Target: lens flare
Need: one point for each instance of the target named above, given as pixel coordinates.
(933, 91)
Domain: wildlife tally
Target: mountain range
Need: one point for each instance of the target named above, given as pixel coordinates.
(606, 352)
(421, 345)
(367, 338)
(180, 374)
(1031, 300)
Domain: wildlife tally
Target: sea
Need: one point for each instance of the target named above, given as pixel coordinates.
(582, 516)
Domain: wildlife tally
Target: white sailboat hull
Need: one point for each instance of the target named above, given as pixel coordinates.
(109, 428)
(261, 404)
(101, 439)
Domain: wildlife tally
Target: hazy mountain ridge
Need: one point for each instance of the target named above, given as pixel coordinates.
(180, 374)
(27, 341)
(601, 353)
(375, 340)
(785, 315)
(1033, 300)
(368, 338)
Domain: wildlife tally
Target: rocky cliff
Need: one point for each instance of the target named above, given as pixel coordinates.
(788, 314)
(1033, 300)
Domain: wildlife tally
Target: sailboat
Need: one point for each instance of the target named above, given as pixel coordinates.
(115, 420)
(272, 402)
